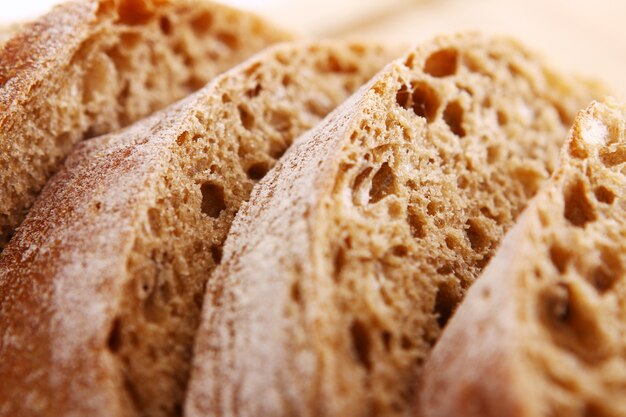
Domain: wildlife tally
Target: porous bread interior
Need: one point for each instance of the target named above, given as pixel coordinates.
(570, 286)
(234, 137)
(138, 58)
(452, 148)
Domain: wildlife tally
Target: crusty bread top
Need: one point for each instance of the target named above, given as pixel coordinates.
(131, 227)
(542, 331)
(90, 67)
(351, 254)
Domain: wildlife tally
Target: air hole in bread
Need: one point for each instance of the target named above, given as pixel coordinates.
(339, 262)
(604, 276)
(595, 409)
(183, 137)
(462, 182)
(395, 209)
(333, 64)
(452, 242)
(578, 209)
(425, 101)
(254, 92)
(573, 323)
(212, 199)
(614, 157)
(442, 63)
(383, 183)
(135, 12)
(400, 251)
(114, 340)
(446, 269)
(194, 83)
(453, 116)
(560, 257)
(228, 39)
(556, 306)
(165, 24)
(417, 223)
(604, 195)
(296, 293)
(201, 23)
(247, 118)
(403, 97)
(359, 334)
(502, 117)
(258, 170)
(493, 154)
(445, 301)
(216, 254)
(477, 236)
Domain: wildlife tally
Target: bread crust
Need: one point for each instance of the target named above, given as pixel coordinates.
(69, 277)
(79, 71)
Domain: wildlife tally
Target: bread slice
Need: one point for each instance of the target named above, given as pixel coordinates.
(542, 331)
(101, 287)
(340, 272)
(90, 67)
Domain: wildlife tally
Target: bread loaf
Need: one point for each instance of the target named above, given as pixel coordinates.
(90, 67)
(101, 288)
(542, 331)
(351, 255)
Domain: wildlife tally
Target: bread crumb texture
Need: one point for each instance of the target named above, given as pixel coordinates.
(355, 250)
(542, 332)
(90, 67)
(101, 287)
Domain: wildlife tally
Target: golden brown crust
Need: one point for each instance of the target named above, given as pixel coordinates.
(30, 56)
(548, 311)
(340, 271)
(104, 259)
(90, 67)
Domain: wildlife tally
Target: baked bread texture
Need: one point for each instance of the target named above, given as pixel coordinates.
(542, 331)
(90, 67)
(101, 287)
(351, 255)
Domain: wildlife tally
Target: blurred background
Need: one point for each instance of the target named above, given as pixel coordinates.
(581, 36)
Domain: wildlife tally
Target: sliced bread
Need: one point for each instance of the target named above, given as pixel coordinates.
(543, 331)
(351, 255)
(101, 287)
(90, 67)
